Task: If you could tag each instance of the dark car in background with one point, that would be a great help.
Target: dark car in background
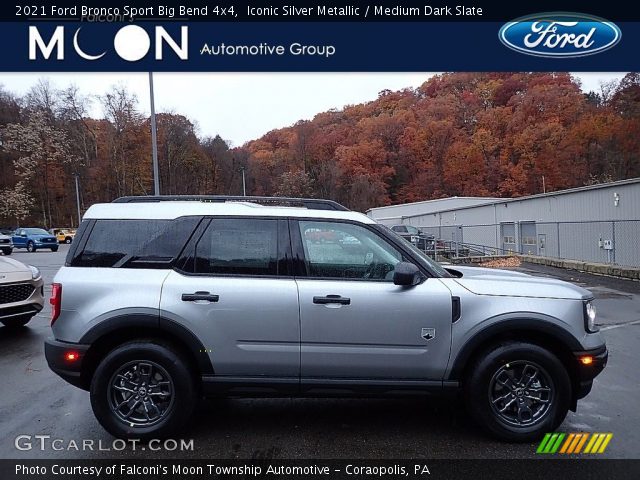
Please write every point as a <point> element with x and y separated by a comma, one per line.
<point>414,236</point>
<point>34,239</point>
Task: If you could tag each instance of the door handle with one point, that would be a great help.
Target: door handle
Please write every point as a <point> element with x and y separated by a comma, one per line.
<point>332,299</point>
<point>192,297</point>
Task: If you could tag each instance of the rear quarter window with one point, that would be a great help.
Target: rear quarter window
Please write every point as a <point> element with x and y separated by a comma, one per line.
<point>134,243</point>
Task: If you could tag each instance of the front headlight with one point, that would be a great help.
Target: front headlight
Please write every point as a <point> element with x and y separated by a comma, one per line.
<point>590,317</point>
<point>35,273</point>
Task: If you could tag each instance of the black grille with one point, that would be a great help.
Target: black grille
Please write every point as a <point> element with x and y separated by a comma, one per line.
<point>15,293</point>
<point>48,240</point>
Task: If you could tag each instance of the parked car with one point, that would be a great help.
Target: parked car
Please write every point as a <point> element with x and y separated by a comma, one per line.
<point>63,235</point>
<point>34,239</point>
<point>317,235</point>
<point>21,292</point>
<point>163,299</point>
<point>416,237</point>
<point>6,244</point>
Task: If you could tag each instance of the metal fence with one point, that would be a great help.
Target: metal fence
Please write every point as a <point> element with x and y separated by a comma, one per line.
<point>615,242</point>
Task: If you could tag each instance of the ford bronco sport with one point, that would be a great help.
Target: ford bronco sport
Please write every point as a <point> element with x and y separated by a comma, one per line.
<point>164,299</point>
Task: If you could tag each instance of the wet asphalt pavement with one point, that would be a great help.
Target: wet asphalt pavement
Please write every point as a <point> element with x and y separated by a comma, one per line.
<point>34,401</point>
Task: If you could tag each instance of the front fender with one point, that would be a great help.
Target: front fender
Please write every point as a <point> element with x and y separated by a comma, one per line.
<point>512,323</point>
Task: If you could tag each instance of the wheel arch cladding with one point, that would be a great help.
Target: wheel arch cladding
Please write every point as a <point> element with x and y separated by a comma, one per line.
<point>542,333</point>
<point>115,331</point>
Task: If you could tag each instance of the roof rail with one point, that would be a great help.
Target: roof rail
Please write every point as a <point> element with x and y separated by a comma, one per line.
<point>310,203</point>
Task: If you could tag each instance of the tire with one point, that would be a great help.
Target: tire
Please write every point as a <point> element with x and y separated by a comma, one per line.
<point>166,365</point>
<point>490,387</point>
<point>67,240</point>
<point>54,249</point>
<point>7,251</point>
<point>30,246</point>
<point>16,322</point>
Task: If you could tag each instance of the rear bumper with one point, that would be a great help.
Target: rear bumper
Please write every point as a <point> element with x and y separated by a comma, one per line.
<point>586,373</point>
<point>70,370</point>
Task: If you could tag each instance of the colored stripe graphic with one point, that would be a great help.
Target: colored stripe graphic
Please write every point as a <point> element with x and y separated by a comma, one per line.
<point>592,440</point>
<point>581,443</point>
<point>555,447</point>
<point>573,443</point>
<point>543,443</point>
<point>607,439</point>
<point>567,443</point>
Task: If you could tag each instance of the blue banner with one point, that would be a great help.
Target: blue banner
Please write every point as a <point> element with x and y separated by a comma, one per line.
<point>317,46</point>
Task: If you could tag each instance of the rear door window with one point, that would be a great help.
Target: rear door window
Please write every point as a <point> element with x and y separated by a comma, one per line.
<point>238,246</point>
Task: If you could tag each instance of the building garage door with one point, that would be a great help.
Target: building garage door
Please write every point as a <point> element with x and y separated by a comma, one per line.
<point>508,235</point>
<point>528,238</point>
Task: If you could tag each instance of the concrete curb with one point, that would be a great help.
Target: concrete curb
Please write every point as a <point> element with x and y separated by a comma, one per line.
<point>589,267</point>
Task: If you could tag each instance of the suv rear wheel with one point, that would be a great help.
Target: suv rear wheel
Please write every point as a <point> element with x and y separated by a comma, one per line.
<point>518,391</point>
<point>143,389</point>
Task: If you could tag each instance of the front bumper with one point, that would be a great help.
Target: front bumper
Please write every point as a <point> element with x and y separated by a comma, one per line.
<point>27,307</point>
<point>70,370</point>
<point>587,372</point>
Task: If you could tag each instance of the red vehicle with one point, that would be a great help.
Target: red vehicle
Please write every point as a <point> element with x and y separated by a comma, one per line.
<point>316,235</point>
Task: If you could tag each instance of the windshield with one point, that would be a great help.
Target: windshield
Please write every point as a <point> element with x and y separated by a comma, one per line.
<point>438,269</point>
<point>36,231</point>
<point>413,230</point>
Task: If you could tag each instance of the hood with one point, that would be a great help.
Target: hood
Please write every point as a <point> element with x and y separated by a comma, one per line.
<point>491,281</point>
<point>13,271</point>
<point>11,265</point>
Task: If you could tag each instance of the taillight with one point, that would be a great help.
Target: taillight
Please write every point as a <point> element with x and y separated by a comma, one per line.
<point>55,301</point>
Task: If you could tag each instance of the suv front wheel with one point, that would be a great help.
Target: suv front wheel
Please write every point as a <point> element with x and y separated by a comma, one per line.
<point>518,391</point>
<point>144,390</point>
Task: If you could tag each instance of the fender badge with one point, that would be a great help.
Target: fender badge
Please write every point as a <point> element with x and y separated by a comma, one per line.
<point>428,333</point>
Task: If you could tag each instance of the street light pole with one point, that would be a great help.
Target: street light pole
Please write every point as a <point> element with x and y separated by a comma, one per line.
<point>244,184</point>
<point>76,175</point>
<point>154,139</point>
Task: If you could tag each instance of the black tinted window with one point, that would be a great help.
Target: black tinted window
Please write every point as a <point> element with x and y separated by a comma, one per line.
<point>135,243</point>
<point>238,246</point>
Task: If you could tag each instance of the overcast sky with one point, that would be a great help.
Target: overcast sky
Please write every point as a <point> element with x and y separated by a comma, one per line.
<point>241,107</point>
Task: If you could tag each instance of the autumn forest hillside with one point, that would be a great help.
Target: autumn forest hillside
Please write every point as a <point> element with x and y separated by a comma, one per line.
<point>475,134</point>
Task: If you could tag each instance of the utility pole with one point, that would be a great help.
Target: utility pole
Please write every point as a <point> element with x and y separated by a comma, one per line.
<point>154,139</point>
<point>76,175</point>
<point>244,184</point>
<point>544,187</point>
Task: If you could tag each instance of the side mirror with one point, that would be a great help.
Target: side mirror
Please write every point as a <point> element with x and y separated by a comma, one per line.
<point>407,274</point>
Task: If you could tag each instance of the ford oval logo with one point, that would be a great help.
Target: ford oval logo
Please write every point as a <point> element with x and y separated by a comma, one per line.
<point>563,35</point>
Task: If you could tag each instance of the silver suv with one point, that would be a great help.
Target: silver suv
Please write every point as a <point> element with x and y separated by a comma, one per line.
<point>166,299</point>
